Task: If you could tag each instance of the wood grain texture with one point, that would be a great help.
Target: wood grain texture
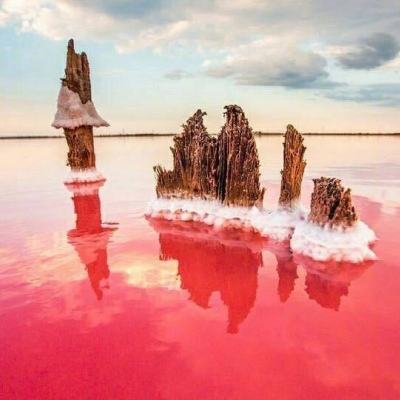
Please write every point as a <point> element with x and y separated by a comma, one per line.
<point>224,168</point>
<point>81,155</point>
<point>77,73</point>
<point>331,204</point>
<point>293,168</point>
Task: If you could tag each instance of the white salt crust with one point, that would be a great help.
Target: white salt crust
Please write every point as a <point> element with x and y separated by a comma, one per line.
<point>85,188</point>
<point>277,225</point>
<point>319,243</point>
<point>71,113</point>
<point>324,243</point>
<point>84,176</point>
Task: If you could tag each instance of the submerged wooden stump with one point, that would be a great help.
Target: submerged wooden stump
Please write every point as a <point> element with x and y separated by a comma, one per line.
<point>224,169</point>
<point>293,168</point>
<point>331,204</point>
<point>76,113</point>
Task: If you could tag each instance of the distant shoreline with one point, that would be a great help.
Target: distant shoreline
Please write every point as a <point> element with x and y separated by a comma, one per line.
<point>138,135</point>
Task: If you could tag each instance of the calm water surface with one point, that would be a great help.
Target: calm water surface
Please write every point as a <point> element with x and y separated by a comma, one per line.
<point>96,302</point>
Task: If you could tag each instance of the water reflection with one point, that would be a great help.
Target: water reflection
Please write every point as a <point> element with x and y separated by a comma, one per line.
<point>286,269</point>
<point>227,262</point>
<point>326,283</point>
<point>90,237</point>
<point>209,264</point>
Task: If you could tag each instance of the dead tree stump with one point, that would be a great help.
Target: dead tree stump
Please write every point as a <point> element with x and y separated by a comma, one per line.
<point>81,153</point>
<point>224,169</point>
<point>76,113</point>
<point>331,204</point>
<point>238,163</point>
<point>195,157</point>
<point>293,168</point>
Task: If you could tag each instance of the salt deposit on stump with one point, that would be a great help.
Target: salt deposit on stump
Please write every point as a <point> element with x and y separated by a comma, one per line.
<point>214,180</point>
<point>77,115</point>
<point>217,180</point>
<point>333,231</point>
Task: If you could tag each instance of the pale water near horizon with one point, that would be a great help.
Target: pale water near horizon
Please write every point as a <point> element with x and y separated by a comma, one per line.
<point>98,302</point>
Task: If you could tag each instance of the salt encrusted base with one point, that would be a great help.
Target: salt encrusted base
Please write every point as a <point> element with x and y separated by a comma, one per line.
<point>277,225</point>
<point>84,176</point>
<point>319,243</point>
<point>324,243</point>
<point>85,188</point>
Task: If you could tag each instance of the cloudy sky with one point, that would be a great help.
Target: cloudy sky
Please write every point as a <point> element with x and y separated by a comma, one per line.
<point>322,65</point>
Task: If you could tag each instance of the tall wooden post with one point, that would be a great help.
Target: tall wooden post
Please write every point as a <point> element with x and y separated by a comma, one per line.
<point>293,168</point>
<point>77,115</point>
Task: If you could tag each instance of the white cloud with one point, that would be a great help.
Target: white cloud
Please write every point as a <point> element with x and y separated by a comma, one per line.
<point>153,37</point>
<point>210,24</point>
<point>3,18</point>
<point>253,42</point>
<point>177,74</point>
<point>272,62</point>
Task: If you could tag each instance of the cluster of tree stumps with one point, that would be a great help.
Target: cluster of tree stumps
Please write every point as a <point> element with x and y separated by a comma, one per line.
<point>216,180</point>
<point>227,169</point>
<point>224,168</point>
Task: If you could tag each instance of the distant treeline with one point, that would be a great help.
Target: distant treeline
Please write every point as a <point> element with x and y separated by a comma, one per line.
<point>257,133</point>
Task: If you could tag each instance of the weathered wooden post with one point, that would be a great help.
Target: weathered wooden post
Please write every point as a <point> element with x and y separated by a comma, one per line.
<point>333,231</point>
<point>238,164</point>
<point>293,168</point>
<point>77,115</point>
<point>194,158</point>
<point>331,204</point>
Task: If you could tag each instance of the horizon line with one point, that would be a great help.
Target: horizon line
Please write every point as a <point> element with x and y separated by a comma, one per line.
<point>256,133</point>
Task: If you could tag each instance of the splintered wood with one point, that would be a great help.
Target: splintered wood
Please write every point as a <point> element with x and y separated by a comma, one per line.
<point>238,164</point>
<point>331,204</point>
<point>81,153</point>
<point>77,73</point>
<point>224,169</point>
<point>293,168</point>
<point>195,157</point>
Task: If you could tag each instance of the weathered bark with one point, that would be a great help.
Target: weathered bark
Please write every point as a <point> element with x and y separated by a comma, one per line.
<point>226,168</point>
<point>238,164</point>
<point>81,154</point>
<point>331,204</point>
<point>293,168</point>
<point>77,73</point>
<point>195,156</point>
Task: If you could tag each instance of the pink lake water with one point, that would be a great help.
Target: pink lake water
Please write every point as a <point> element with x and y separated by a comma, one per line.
<point>96,302</point>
